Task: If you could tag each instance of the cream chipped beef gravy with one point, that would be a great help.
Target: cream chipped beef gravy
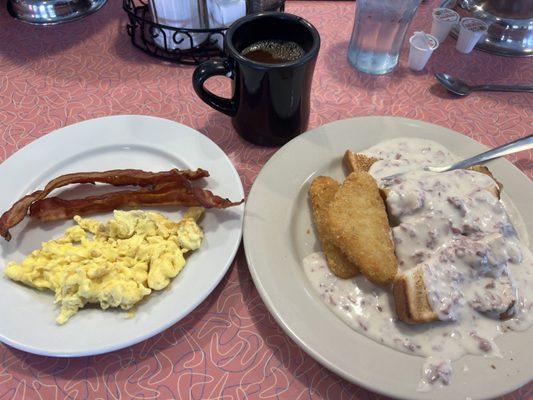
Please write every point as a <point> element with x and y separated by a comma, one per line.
<point>473,261</point>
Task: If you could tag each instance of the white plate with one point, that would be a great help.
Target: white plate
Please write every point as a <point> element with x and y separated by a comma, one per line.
<point>27,317</point>
<point>279,233</point>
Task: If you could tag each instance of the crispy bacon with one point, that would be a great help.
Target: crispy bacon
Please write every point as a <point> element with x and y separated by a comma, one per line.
<point>54,208</point>
<point>118,177</point>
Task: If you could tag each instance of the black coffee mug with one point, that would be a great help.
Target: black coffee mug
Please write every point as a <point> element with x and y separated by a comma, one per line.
<point>270,102</point>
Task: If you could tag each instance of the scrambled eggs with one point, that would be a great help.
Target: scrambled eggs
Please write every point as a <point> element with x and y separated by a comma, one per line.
<point>114,264</point>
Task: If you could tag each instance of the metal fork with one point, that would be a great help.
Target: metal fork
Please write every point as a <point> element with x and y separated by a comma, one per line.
<point>521,144</point>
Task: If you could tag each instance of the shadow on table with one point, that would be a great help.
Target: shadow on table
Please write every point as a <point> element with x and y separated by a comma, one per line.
<point>524,164</point>
<point>62,370</point>
<point>511,99</point>
<point>496,69</point>
<point>130,54</point>
<point>480,68</point>
<point>335,60</point>
<point>23,43</point>
<point>218,127</point>
<point>475,68</point>
<point>83,51</point>
<point>440,91</point>
<point>319,381</point>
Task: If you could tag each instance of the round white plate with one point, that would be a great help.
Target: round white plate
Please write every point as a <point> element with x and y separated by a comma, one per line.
<point>27,316</point>
<point>279,233</point>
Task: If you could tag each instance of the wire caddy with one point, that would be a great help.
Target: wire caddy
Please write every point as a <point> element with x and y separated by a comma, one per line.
<point>172,43</point>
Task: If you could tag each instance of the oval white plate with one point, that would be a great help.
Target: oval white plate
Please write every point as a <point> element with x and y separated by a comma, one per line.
<point>279,233</point>
<point>27,316</point>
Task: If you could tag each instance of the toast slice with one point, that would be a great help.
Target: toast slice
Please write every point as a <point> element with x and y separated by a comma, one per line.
<point>410,298</point>
<point>359,226</point>
<point>496,191</point>
<point>359,162</point>
<point>494,297</point>
<point>322,191</point>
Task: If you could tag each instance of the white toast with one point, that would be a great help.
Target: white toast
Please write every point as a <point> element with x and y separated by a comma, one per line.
<point>410,297</point>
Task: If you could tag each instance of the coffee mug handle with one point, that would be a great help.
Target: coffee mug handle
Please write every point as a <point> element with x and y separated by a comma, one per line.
<point>205,71</point>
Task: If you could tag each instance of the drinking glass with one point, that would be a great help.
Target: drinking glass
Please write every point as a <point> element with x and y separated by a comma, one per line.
<point>378,34</point>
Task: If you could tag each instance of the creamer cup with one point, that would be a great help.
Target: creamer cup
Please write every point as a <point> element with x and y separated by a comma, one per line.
<point>444,20</point>
<point>421,46</point>
<point>470,31</point>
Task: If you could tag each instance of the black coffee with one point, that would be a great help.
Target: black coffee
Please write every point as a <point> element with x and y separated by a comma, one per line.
<point>273,51</point>
<point>271,101</point>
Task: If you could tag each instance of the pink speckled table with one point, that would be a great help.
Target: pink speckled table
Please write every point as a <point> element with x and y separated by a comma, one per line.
<point>229,347</point>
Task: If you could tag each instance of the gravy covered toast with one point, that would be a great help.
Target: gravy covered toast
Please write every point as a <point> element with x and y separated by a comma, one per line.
<point>409,290</point>
<point>360,162</point>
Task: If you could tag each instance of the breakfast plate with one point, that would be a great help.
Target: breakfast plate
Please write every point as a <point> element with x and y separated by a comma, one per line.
<point>27,316</point>
<point>279,233</point>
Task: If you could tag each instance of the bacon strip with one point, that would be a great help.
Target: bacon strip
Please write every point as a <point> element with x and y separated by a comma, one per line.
<point>54,208</point>
<point>118,177</point>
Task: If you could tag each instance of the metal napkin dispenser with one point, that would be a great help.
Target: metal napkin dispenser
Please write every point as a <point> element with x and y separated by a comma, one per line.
<point>51,12</point>
<point>510,24</point>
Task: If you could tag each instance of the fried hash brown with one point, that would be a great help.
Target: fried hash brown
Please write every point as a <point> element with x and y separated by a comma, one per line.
<point>322,191</point>
<point>359,226</point>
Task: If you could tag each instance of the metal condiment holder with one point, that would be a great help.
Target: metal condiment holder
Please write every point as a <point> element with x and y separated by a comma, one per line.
<point>510,36</point>
<point>144,32</point>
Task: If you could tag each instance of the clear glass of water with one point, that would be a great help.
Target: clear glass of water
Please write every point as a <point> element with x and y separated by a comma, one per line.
<point>378,34</point>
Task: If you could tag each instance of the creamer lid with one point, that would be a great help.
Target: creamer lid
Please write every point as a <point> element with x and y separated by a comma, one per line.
<point>424,41</point>
<point>445,14</point>
<point>474,25</point>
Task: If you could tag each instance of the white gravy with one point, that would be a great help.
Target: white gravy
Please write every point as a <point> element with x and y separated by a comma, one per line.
<point>475,267</point>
